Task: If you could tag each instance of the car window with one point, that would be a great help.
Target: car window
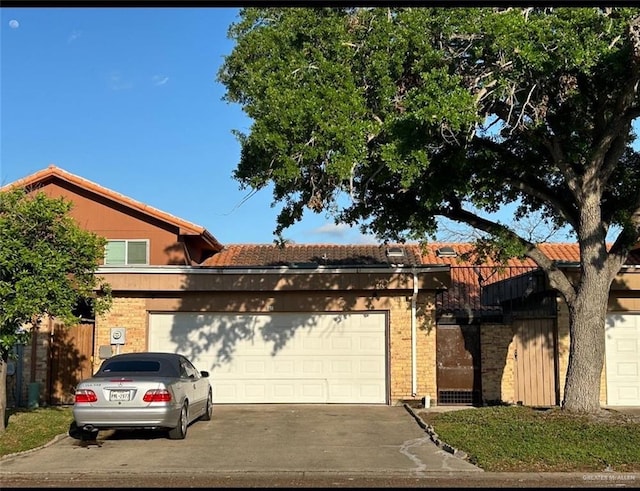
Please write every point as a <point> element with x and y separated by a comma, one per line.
<point>183,371</point>
<point>131,366</point>
<point>189,369</point>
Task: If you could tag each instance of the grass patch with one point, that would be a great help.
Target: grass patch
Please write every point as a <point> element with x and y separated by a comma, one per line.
<point>31,428</point>
<point>524,439</point>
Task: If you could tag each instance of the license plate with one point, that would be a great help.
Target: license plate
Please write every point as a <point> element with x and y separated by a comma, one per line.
<point>119,395</point>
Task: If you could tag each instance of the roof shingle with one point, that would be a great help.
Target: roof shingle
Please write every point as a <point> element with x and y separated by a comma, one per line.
<point>317,254</point>
<point>249,255</point>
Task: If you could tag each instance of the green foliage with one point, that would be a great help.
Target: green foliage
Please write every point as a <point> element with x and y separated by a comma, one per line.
<point>416,112</point>
<point>47,265</point>
<point>421,113</point>
<point>523,439</point>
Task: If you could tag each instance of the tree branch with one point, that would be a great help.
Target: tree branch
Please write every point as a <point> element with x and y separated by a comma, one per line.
<point>556,277</point>
<point>532,187</point>
<point>624,106</point>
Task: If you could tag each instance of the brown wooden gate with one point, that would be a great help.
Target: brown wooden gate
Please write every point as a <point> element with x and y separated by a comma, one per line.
<point>458,360</point>
<point>71,352</point>
<point>535,362</point>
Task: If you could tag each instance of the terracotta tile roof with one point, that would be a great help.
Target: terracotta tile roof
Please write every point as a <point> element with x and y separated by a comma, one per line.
<point>53,172</point>
<point>252,255</point>
<point>319,254</point>
<point>557,251</point>
<point>467,282</point>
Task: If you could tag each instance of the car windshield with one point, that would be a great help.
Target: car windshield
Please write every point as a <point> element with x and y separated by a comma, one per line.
<point>132,366</point>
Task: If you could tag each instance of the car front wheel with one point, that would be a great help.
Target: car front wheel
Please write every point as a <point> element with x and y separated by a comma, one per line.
<point>180,431</point>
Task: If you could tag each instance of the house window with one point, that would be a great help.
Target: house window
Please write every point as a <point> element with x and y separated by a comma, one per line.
<point>126,252</point>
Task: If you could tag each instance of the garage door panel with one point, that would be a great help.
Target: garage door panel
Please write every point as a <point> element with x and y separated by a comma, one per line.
<point>347,391</point>
<point>340,367</point>
<point>627,370</point>
<point>288,358</point>
<point>311,367</point>
<point>311,345</point>
<point>283,390</point>
<point>341,344</point>
<point>226,391</point>
<point>313,389</point>
<point>255,368</point>
<point>370,367</point>
<point>255,390</point>
<point>369,390</point>
<point>629,393</point>
<point>627,345</point>
<point>283,366</point>
<point>369,344</point>
<point>622,346</point>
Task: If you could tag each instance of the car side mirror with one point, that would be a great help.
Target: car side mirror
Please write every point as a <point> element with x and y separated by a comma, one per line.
<point>204,373</point>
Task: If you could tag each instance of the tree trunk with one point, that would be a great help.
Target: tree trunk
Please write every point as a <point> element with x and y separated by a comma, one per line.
<point>586,347</point>
<point>3,393</point>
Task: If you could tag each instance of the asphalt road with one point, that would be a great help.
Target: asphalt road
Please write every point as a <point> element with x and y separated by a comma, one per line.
<point>275,446</point>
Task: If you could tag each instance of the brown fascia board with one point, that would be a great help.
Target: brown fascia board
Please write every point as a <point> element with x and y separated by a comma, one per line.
<point>53,172</point>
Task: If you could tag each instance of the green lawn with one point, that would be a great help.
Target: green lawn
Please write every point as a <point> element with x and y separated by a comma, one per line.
<point>496,438</point>
<point>522,439</point>
<point>31,428</point>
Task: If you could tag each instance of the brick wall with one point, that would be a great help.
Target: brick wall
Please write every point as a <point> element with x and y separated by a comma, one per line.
<point>129,313</point>
<point>497,363</point>
<point>400,350</point>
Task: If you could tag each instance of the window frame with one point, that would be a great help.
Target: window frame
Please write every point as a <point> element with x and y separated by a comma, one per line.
<point>126,262</point>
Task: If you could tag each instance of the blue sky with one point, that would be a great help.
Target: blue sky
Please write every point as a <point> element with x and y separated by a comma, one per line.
<point>128,98</point>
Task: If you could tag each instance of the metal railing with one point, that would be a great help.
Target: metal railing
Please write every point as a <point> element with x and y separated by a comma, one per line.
<point>490,293</point>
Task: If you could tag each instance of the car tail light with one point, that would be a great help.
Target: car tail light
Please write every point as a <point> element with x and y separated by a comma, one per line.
<point>85,395</point>
<point>157,395</point>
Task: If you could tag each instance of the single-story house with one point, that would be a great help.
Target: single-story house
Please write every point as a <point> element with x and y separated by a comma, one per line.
<point>321,323</point>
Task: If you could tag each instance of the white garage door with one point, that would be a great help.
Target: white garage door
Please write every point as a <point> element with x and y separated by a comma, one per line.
<point>282,358</point>
<point>623,359</point>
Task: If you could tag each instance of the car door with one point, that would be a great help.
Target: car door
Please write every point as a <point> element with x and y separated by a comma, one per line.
<point>194,387</point>
<point>202,386</point>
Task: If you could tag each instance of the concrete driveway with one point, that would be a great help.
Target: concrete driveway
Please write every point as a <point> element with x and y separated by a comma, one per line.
<point>355,439</point>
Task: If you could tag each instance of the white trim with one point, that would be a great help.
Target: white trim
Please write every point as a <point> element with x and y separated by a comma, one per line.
<point>263,271</point>
<point>414,336</point>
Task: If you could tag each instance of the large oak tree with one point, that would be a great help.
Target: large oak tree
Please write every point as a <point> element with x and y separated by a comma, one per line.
<point>414,114</point>
<point>47,266</point>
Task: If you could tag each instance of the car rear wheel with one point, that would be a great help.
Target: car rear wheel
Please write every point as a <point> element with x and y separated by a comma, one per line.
<point>208,409</point>
<point>180,431</point>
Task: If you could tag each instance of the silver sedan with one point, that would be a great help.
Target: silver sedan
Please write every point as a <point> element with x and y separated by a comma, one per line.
<point>158,391</point>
